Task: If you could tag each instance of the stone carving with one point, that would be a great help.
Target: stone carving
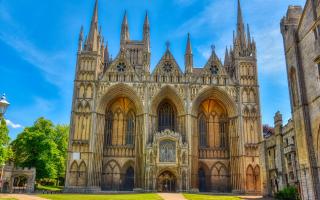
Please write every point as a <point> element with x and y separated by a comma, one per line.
<point>167,150</point>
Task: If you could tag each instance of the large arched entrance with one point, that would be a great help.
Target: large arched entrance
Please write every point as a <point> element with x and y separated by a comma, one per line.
<point>213,114</point>
<point>166,182</point>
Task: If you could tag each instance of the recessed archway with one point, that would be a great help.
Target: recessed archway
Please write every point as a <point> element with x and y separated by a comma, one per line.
<point>166,182</point>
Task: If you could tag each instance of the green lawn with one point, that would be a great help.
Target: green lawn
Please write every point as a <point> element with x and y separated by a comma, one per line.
<point>50,188</point>
<point>208,197</point>
<point>101,197</point>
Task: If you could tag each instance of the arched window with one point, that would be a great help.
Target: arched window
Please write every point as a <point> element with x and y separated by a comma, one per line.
<point>130,130</point>
<point>203,131</point>
<point>166,117</point>
<point>223,131</point>
<point>108,128</point>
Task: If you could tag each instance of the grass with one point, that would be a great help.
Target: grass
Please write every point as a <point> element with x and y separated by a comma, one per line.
<point>101,197</point>
<point>209,197</point>
<point>49,188</point>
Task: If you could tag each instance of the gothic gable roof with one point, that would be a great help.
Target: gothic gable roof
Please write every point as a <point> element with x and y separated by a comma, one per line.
<point>167,65</point>
<point>120,64</point>
<point>213,66</point>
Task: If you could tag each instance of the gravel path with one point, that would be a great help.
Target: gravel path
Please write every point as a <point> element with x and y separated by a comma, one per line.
<point>21,196</point>
<point>172,196</point>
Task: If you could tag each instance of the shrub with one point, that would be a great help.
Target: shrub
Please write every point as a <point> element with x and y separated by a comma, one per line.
<point>289,193</point>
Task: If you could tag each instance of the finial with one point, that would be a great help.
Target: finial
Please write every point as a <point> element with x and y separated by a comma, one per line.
<point>168,45</point>
<point>213,48</point>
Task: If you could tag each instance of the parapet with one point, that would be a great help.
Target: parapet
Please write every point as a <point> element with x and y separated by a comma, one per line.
<point>293,15</point>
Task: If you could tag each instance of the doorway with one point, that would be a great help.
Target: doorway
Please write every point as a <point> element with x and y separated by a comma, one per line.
<point>166,182</point>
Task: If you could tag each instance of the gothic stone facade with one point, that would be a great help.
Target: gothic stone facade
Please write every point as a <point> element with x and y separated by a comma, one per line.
<point>16,180</point>
<point>166,130</point>
<point>281,161</point>
<point>301,30</point>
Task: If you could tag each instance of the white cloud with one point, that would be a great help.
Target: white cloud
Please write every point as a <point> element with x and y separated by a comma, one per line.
<point>13,125</point>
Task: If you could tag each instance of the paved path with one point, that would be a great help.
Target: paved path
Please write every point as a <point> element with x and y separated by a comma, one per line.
<point>172,196</point>
<point>21,196</point>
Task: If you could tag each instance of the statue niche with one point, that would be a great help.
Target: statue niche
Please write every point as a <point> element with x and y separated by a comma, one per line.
<point>167,149</point>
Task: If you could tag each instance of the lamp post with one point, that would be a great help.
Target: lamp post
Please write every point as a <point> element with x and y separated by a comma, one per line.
<point>3,105</point>
<point>3,108</point>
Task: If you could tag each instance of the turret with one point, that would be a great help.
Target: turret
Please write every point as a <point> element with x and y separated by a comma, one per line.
<point>146,41</point>
<point>80,42</point>
<point>226,58</point>
<point>188,57</point>
<point>125,36</point>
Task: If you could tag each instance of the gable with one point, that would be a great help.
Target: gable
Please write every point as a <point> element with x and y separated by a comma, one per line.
<point>120,64</point>
<point>213,67</point>
<point>167,66</point>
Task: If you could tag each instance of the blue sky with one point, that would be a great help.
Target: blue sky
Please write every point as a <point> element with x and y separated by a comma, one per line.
<point>38,43</point>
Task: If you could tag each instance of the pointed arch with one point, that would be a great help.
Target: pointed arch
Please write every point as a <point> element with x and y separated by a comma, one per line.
<point>169,93</point>
<point>217,94</point>
<point>203,131</point>
<point>166,116</point>
<point>245,95</point>
<point>250,184</point>
<point>89,91</point>
<point>257,179</point>
<point>81,91</point>
<point>130,128</point>
<point>129,179</point>
<point>82,179</point>
<point>219,177</point>
<point>252,95</point>
<point>203,177</point>
<point>111,176</point>
<point>73,173</point>
<point>118,91</point>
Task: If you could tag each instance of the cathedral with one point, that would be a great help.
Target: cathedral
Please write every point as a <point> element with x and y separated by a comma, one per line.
<point>170,129</point>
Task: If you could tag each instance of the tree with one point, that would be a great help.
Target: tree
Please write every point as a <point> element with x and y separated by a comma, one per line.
<point>5,150</point>
<point>61,139</point>
<point>42,146</point>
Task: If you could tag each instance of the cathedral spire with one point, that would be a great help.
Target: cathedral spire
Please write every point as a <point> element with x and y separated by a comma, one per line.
<point>81,37</point>
<point>146,33</point>
<point>226,57</point>
<point>92,40</point>
<point>240,26</point>
<point>189,56</point>
<point>189,49</point>
<point>124,30</point>
<point>106,55</point>
<point>248,35</point>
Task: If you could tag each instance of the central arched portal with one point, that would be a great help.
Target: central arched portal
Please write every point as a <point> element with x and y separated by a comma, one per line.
<point>166,182</point>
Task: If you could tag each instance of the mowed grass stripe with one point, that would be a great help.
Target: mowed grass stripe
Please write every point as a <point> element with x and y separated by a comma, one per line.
<point>101,197</point>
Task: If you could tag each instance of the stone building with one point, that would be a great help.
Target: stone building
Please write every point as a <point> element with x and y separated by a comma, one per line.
<point>301,31</point>
<point>166,129</point>
<point>17,179</point>
<point>281,162</point>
